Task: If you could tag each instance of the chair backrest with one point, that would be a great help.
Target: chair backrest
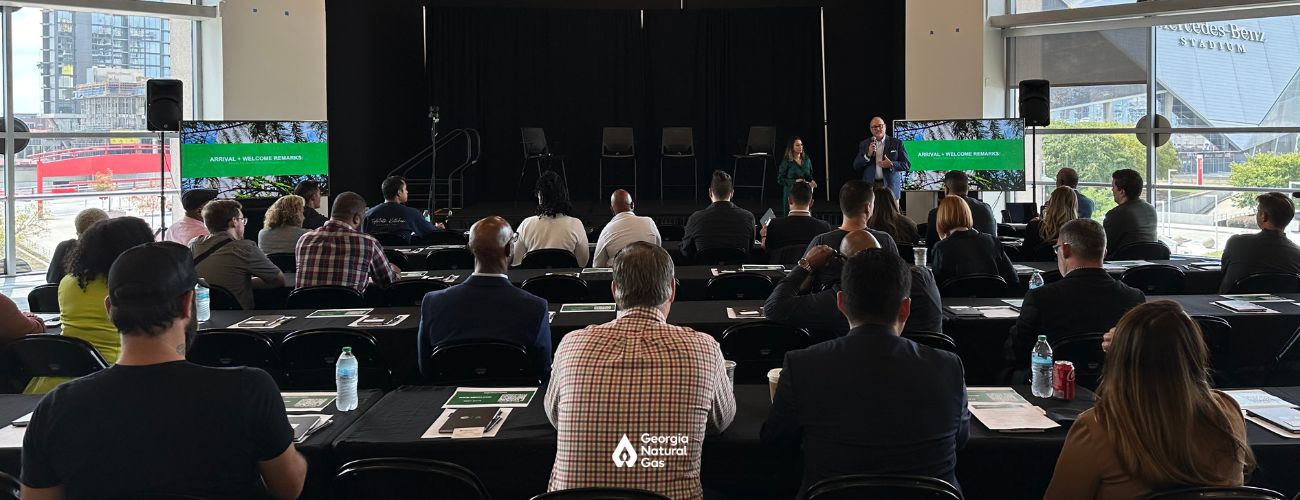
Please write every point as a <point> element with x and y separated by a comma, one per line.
<point>1142,250</point>
<point>557,288</point>
<point>1283,354</point>
<point>481,363</point>
<point>1217,334</point>
<point>440,238</point>
<point>10,488</point>
<point>48,355</point>
<point>974,285</point>
<point>397,258</point>
<point>549,258</point>
<point>1039,253</point>
<point>761,140</point>
<point>721,257</point>
<point>406,478</point>
<point>672,232</point>
<point>220,299</point>
<point>309,357</point>
<point>678,141</point>
<point>410,292</point>
<point>285,261</point>
<point>324,297</point>
<point>390,239</point>
<point>1155,279</point>
<point>617,140</point>
<point>534,140</point>
<point>1268,283</point>
<point>227,347</point>
<point>932,339</point>
<point>790,254</point>
<point>1084,350</point>
<point>449,258</point>
<point>1005,229</point>
<point>600,494</point>
<point>1217,493</point>
<point>882,487</point>
<point>739,286</point>
<point>44,298</point>
<point>759,346</point>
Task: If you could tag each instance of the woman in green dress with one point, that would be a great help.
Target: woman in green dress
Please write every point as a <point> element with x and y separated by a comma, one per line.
<point>794,168</point>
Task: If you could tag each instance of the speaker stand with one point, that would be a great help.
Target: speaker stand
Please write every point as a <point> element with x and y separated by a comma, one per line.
<point>162,184</point>
<point>1033,164</point>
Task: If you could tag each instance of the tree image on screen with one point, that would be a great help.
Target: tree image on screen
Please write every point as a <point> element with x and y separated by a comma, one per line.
<point>253,159</point>
<point>990,151</point>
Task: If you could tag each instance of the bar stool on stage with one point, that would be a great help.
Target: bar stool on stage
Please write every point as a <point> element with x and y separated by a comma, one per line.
<point>679,144</point>
<point>538,150</point>
<point>616,143</point>
<point>761,146</point>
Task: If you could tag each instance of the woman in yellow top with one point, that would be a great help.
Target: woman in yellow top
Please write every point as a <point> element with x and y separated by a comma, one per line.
<point>83,290</point>
<point>1157,425</point>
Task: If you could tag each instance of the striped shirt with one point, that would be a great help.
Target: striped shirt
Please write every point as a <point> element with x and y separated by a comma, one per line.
<point>336,254</point>
<point>657,386</point>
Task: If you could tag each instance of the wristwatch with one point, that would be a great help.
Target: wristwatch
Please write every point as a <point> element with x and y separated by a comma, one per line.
<point>803,263</point>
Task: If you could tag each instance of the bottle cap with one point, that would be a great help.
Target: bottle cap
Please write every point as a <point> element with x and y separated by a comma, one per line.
<point>349,349</point>
<point>1040,337</point>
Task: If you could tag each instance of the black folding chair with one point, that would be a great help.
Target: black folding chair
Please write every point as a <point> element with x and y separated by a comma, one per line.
<point>557,288</point>
<point>1267,283</point>
<point>1142,250</point>
<point>1155,279</point>
<point>309,357</point>
<point>44,299</point>
<point>406,479</point>
<point>481,363</point>
<point>549,258</point>
<point>1217,334</point>
<point>397,258</point>
<point>10,488</point>
<point>882,487</point>
<point>974,285</point>
<point>600,494</point>
<point>679,144</point>
<point>285,261</point>
<point>672,232</point>
<point>49,355</point>
<point>1084,350</point>
<point>721,257</point>
<point>410,293</point>
<point>759,346</point>
<point>1039,253</point>
<point>739,286</point>
<point>789,255</point>
<point>324,297</point>
<point>616,143</point>
<point>227,347</point>
<point>440,238</point>
<point>932,339</point>
<point>1051,276</point>
<point>449,258</point>
<point>1217,493</point>
<point>220,299</point>
<point>761,146</point>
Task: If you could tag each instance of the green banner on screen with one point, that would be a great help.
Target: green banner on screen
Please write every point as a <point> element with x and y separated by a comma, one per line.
<point>254,160</point>
<point>981,154</point>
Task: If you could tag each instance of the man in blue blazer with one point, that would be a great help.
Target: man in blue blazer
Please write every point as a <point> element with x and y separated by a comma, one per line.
<point>871,402</point>
<point>487,306</point>
<point>883,158</point>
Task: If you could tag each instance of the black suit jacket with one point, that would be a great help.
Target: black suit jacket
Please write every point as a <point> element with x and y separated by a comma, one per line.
<point>981,214</point>
<point>970,252</point>
<point>1087,300</point>
<point>830,273</point>
<point>720,225</point>
<point>818,313</point>
<point>1262,252</point>
<point>871,402</point>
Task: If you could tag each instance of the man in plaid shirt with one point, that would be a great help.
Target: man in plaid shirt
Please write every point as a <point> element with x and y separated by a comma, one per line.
<point>338,254</point>
<point>632,399</point>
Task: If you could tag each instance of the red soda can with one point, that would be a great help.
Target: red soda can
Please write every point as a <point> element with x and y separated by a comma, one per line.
<point>1063,380</point>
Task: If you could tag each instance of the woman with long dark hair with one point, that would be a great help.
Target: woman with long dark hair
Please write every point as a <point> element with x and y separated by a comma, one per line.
<point>794,167</point>
<point>886,217</point>
<point>552,227</point>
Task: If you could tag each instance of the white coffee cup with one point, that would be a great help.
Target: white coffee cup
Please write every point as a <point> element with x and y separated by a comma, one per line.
<point>918,256</point>
<point>773,377</point>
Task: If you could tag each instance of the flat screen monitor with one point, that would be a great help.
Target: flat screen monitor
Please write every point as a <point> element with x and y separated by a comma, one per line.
<point>990,151</point>
<point>253,159</point>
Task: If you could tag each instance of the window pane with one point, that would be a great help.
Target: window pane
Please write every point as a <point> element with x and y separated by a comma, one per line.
<point>1022,6</point>
<point>1098,77</point>
<point>1200,222</point>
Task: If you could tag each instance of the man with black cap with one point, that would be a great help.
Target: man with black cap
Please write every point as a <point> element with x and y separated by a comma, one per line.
<point>191,225</point>
<point>155,423</point>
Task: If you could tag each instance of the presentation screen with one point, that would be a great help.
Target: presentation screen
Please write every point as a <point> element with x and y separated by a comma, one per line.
<point>991,151</point>
<point>253,159</point>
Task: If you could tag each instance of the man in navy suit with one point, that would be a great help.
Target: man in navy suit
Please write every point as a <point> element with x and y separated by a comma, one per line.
<point>882,158</point>
<point>871,402</point>
<point>487,306</point>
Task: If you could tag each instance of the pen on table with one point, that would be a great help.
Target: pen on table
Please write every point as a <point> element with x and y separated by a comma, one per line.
<point>492,423</point>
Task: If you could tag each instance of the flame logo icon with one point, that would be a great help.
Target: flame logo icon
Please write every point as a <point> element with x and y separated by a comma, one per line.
<point>624,454</point>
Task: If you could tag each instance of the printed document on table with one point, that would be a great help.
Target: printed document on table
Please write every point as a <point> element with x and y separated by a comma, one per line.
<point>476,397</point>
<point>1249,399</point>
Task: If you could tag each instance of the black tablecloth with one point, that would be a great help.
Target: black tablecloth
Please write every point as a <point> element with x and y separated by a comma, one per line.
<point>13,406</point>
<point>1198,281</point>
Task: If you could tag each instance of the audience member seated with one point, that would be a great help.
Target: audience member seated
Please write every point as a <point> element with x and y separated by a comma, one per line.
<point>155,423</point>
<point>15,323</point>
<point>225,259</point>
<point>610,381</point>
<point>857,200</point>
<point>795,168</point>
<point>58,263</point>
<point>886,217</point>
<point>1042,231</point>
<point>798,227</point>
<point>472,310</point>
<point>907,413</point>
<point>1133,220</point>
<point>957,183</point>
<point>817,311</point>
<point>722,224</point>
<point>963,250</point>
<point>1085,300</point>
<point>82,291</point>
<point>1269,250</point>
<point>552,227</point>
<point>1069,178</point>
<point>191,225</point>
<point>283,225</point>
<point>311,195</point>
<point>624,229</point>
<point>338,254</point>
<point>393,216</point>
<point>1156,424</point>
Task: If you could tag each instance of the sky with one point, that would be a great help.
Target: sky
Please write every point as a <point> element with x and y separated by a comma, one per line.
<point>27,57</point>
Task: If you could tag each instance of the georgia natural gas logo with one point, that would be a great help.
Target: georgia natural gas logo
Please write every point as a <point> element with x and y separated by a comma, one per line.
<point>654,449</point>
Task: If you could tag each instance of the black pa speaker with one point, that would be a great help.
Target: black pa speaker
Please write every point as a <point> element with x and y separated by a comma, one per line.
<point>163,105</point>
<point>1036,102</point>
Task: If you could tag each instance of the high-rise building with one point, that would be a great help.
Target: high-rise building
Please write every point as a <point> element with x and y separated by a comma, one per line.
<point>74,43</point>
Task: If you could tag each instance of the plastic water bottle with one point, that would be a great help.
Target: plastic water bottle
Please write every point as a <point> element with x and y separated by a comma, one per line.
<point>1036,280</point>
<point>345,380</point>
<point>202,302</point>
<point>1041,366</point>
